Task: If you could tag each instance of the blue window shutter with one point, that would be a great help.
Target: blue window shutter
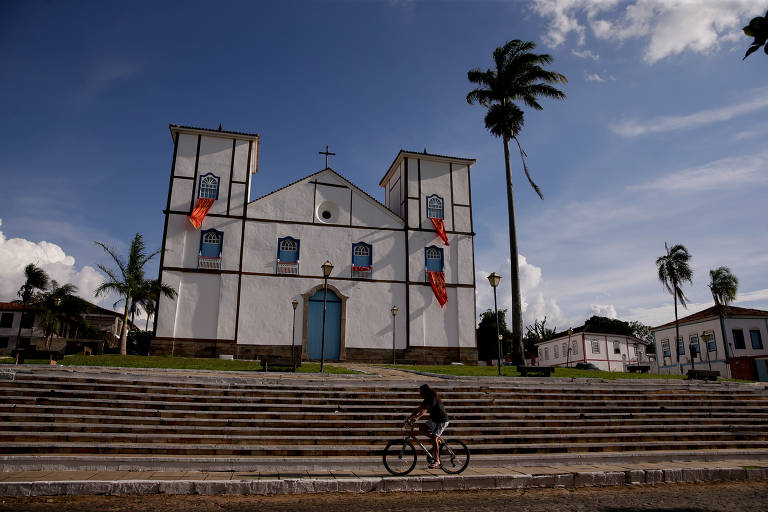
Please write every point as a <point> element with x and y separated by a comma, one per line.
<point>208,186</point>
<point>362,254</point>
<point>288,251</point>
<point>433,264</point>
<point>211,241</point>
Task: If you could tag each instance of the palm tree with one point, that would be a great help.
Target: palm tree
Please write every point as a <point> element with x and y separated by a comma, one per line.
<point>148,295</point>
<point>757,28</point>
<point>673,272</point>
<point>127,280</point>
<point>36,279</point>
<point>58,302</point>
<point>518,75</point>
<point>723,285</point>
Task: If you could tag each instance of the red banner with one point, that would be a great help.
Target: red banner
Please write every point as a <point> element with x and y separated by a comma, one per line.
<point>437,280</point>
<point>440,228</point>
<point>201,210</point>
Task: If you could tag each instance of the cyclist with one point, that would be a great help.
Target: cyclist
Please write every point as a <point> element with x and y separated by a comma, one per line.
<point>435,425</point>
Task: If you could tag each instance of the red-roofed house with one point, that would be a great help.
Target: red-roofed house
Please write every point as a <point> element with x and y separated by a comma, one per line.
<point>743,355</point>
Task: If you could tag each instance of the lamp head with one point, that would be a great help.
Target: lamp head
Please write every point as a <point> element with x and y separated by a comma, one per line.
<point>570,331</point>
<point>394,310</point>
<point>295,303</point>
<point>327,268</point>
<point>494,279</point>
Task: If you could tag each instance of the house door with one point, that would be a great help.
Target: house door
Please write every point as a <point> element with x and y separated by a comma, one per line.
<point>332,326</point>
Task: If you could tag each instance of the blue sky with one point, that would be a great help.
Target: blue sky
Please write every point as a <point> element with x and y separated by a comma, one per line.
<point>661,138</point>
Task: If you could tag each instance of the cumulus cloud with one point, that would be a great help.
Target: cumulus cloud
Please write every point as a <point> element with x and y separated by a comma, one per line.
<point>669,27</point>
<point>594,77</point>
<point>17,253</point>
<point>726,173</point>
<point>585,54</point>
<point>606,310</point>
<point>636,128</point>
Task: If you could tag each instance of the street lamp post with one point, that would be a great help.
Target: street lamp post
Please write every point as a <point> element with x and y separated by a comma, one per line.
<point>568,355</point>
<point>494,279</point>
<point>327,268</point>
<point>705,340</point>
<point>295,304</point>
<point>394,313</point>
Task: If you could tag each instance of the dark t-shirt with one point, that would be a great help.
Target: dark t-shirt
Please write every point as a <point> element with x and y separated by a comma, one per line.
<point>436,410</point>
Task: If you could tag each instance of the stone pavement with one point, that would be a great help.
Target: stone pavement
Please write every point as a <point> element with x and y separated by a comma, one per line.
<point>546,475</point>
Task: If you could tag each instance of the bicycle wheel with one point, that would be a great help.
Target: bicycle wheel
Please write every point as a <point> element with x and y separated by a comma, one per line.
<point>399,457</point>
<point>454,456</point>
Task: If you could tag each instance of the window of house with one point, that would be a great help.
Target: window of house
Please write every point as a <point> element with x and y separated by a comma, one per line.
<point>546,354</point>
<point>616,347</point>
<point>210,249</point>
<point>757,341</point>
<point>665,348</point>
<point>6,320</point>
<point>694,341</point>
<point>738,339</point>
<point>565,349</point>
<point>575,348</point>
<point>556,353</point>
<point>539,353</point>
<point>680,346</point>
<point>288,249</point>
<point>434,207</point>
<point>362,259</point>
<point>4,341</point>
<point>434,259</point>
<point>595,347</point>
<point>711,341</point>
<point>209,186</point>
<point>27,320</point>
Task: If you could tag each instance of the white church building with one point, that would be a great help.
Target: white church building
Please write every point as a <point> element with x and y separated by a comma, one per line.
<point>238,264</point>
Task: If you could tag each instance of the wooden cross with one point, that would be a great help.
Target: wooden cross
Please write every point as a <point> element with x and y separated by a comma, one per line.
<point>326,153</point>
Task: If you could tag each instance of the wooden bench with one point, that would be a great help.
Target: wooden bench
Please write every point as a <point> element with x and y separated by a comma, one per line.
<point>703,374</point>
<point>279,361</point>
<point>29,353</point>
<point>640,368</point>
<point>544,371</point>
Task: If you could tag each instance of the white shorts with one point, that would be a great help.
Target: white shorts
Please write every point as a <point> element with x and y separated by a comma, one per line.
<point>436,428</point>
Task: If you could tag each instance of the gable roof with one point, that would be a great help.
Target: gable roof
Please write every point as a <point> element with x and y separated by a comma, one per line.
<point>712,312</point>
<point>209,131</point>
<point>342,178</point>
<point>426,156</point>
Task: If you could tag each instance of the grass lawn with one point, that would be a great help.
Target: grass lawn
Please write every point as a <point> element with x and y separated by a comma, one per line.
<point>510,371</point>
<point>182,363</point>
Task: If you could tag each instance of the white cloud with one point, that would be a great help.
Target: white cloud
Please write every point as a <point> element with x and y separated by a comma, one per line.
<point>594,77</point>
<point>17,253</point>
<point>635,128</point>
<point>585,54</point>
<point>726,173</point>
<point>606,310</point>
<point>752,296</point>
<point>670,27</point>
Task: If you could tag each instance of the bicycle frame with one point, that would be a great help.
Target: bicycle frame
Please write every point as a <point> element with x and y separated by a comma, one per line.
<point>409,435</point>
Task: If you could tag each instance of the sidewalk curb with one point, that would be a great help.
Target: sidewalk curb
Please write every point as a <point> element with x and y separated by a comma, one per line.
<point>293,486</point>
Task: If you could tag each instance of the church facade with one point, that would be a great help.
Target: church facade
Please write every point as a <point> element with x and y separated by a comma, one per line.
<point>238,265</point>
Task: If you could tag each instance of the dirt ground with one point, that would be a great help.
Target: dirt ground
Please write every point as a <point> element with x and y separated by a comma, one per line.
<point>716,497</point>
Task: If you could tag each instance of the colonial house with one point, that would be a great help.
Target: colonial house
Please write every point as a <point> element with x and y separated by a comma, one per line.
<point>733,343</point>
<point>249,276</point>
<point>107,322</point>
<point>609,352</point>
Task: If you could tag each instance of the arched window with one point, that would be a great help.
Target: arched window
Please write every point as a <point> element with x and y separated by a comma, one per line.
<point>209,186</point>
<point>288,255</point>
<point>434,259</point>
<point>434,207</point>
<point>361,255</point>
<point>210,249</point>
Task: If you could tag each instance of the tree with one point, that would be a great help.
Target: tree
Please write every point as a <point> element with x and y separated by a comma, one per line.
<point>57,303</point>
<point>127,280</point>
<point>723,285</point>
<point>148,295</point>
<point>757,28</point>
<point>641,331</point>
<point>487,344</point>
<point>673,271</point>
<point>518,75</point>
<point>537,333</point>
<point>36,279</point>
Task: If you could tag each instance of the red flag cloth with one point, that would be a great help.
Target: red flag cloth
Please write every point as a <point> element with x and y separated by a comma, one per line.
<point>361,269</point>
<point>437,280</point>
<point>440,228</point>
<point>201,210</point>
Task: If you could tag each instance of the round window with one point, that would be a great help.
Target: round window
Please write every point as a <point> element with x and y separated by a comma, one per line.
<point>327,212</point>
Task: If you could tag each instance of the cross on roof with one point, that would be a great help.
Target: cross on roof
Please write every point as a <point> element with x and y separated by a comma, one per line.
<point>326,153</point>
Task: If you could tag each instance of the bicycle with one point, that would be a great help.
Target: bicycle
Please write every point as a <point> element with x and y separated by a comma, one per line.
<point>400,454</point>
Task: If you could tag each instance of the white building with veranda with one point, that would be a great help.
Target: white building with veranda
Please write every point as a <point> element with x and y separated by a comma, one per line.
<point>237,274</point>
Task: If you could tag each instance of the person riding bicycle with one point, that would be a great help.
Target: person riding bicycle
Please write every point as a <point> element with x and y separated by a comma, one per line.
<point>435,425</point>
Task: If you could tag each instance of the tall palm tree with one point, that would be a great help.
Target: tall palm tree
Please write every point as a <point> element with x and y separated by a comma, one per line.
<point>35,279</point>
<point>57,303</point>
<point>673,272</point>
<point>723,285</point>
<point>127,280</point>
<point>517,75</point>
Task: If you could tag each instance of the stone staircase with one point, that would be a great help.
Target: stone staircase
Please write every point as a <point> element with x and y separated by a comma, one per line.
<point>49,412</point>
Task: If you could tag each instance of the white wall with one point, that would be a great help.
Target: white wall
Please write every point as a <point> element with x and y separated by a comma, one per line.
<point>581,351</point>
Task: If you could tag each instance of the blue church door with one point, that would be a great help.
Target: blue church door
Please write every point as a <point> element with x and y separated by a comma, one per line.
<point>332,326</point>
